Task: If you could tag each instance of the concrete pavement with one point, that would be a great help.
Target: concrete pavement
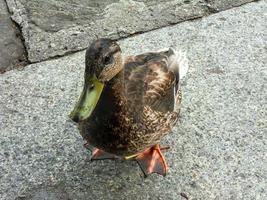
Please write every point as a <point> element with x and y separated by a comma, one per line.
<point>218,149</point>
<point>56,27</point>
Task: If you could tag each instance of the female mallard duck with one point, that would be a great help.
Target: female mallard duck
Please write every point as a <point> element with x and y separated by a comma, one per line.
<point>127,106</point>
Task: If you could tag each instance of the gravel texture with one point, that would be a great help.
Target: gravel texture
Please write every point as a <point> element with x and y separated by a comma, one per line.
<point>218,149</point>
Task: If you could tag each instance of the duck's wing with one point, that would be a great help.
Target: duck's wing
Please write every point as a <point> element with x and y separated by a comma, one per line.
<point>152,79</point>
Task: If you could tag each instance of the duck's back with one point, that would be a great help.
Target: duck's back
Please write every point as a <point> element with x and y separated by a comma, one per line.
<point>152,80</point>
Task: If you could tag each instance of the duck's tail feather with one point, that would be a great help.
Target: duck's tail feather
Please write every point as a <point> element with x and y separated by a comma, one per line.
<point>178,63</point>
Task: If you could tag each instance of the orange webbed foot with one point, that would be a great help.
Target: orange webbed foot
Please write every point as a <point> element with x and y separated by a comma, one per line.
<point>152,161</point>
<point>98,154</point>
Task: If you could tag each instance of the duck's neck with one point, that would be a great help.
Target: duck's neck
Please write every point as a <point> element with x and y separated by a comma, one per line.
<point>110,101</point>
<point>116,86</point>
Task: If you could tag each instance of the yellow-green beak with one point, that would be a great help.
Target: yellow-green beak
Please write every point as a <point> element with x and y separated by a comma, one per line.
<point>87,102</point>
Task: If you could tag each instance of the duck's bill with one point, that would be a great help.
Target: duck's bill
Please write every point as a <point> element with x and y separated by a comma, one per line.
<point>88,100</point>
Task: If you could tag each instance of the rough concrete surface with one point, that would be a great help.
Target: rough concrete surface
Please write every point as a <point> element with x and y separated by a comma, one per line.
<point>55,27</point>
<point>12,52</point>
<point>218,150</point>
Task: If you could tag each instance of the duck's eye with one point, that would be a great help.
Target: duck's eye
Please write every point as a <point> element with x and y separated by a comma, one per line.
<point>107,60</point>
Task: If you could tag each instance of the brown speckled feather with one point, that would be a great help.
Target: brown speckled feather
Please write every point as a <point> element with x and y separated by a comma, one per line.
<point>149,82</point>
<point>150,98</point>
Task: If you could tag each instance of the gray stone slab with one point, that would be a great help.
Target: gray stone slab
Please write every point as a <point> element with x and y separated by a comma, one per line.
<point>12,51</point>
<point>218,150</point>
<point>56,27</point>
<point>217,5</point>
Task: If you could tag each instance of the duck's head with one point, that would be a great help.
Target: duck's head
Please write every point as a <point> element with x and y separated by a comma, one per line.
<point>103,61</point>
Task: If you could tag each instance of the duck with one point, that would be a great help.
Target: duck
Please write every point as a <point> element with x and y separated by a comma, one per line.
<point>129,103</point>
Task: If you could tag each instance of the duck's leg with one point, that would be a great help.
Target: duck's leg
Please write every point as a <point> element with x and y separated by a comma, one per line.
<point>152,160</point>
<point>98,154</point>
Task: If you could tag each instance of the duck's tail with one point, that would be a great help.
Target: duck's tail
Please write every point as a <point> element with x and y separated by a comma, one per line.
<point>178,62</point>
<point>179,65</point>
